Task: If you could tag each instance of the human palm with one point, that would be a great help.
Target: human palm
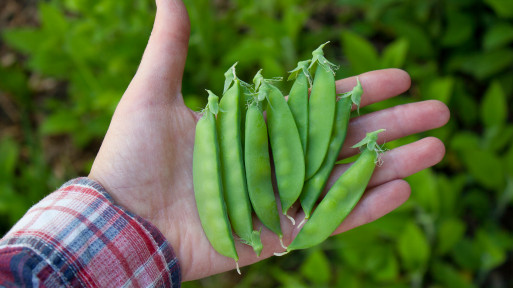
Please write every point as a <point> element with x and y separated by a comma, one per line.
<point>145,161</point>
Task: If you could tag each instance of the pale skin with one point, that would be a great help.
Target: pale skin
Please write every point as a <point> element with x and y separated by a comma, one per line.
<point>145,161</point>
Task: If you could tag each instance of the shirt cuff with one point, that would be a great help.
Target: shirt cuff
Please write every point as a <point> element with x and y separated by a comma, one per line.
<point>77,236</point>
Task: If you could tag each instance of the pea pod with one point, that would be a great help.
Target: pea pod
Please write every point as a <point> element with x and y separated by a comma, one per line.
<point>298,100</point>
<point>341,198</point>
<point>321,111</point>
<point>232,165</point>
<point>207,181</point>
<point>258,170</point>
<point>285,144</point>
<point>315,185</point>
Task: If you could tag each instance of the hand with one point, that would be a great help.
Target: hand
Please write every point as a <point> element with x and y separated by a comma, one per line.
<point>145,161</point>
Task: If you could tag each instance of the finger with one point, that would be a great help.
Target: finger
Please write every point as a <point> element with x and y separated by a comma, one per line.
<point>398,121</point>
<point>377,85</point>
<point>401,162</point>
<point>163,61</point>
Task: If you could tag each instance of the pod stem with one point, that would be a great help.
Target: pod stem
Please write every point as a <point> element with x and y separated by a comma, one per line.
<point>355,94</point>
<point>230,77</point>
<point>319,59</point>
<point>291,219</point>
<point>302,222</point>
<point>370,142</point>
<point>281,254</point>
<point>237,267</point>
<point>302,67</point>
<point>281,243</point>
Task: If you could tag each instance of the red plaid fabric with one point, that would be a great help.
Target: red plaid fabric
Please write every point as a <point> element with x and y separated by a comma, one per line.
<point>77,237</point>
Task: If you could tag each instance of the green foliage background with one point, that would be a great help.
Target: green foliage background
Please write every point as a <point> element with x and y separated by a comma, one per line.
<point>457,228</point>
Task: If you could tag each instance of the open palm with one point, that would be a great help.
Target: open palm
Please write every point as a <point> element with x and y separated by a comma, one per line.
<point>145,161</point>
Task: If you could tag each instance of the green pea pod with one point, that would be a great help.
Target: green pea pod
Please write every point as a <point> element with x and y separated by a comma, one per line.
<point>258,170</point>
<point>232,165</point>
<point>321,112</point>
<point>286,147</point>
<point>341,198</point>
<point>208,188</point>
<point>315,185</point>
<point>298,100</point>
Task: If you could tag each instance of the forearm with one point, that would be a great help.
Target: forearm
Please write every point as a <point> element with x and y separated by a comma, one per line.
<point>76,236</point>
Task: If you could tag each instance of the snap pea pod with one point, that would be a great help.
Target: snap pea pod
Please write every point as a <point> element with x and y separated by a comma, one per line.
<point>321,112</point>
<point>315,185</point>
<point>258,170</point>
<point>341,198</point>
<point>232,165</point>
<point>207,181</point>
<point>285,144</point>
<point>298,100</point>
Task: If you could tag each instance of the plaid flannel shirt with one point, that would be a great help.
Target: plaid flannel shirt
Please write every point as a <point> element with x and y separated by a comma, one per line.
<point>77,237</point>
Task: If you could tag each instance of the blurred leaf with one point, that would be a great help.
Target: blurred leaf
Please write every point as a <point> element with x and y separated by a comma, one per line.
<point>484,64</point>
<point>424,183</point>
<point>9,152</point>
<point>467,254</point>
<point>395,54</point>
<point>287,279</point>
<point>493,253</point>
<point>503,8</point>
<point>449,276</point>
<point>496,138</point>
<point>438,89</point>
<point>316,268</point>
<point>498,36</point>
<point>413,248</point>
<point>494,106</point>
<point>450,232</point>
<point>419,42</point>
<point>464,106</point>
<point>460,29</point>
<point>52,18</point>
<point>25,40</point>
<point>485,167</point>
<point>361,53</point>
<point>389,270</point>
<point>14,81</point>
<point>59,122</point>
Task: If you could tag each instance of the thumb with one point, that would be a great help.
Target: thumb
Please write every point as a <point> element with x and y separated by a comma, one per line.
<point>163,61</point>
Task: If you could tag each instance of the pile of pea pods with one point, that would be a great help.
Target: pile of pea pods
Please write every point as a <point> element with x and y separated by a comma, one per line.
<point>232,164</point>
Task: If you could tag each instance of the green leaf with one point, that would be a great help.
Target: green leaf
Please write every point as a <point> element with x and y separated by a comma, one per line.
<point>395,54</point>
<point>413,248</point>
<point>424,183</point>
<point>449,276</point>
<point>59,122</point>
<point>498,36</point>
<point>493,254</point>
<point>287,279</point>
<point>450,232</point>
<point>503,8</point>
<point>419,41</point>
<point>494,106</point>
<point>485,167</point>
<point>9,152</point>
<point>460,29</point>
<point>361,53</point>
<point>467,254</point>
<point>316,268</point>
<point>439,89</point>
<point>496,138</point>
<point>483,65</point>
<point>52,18</point>
<point>26,40</point>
